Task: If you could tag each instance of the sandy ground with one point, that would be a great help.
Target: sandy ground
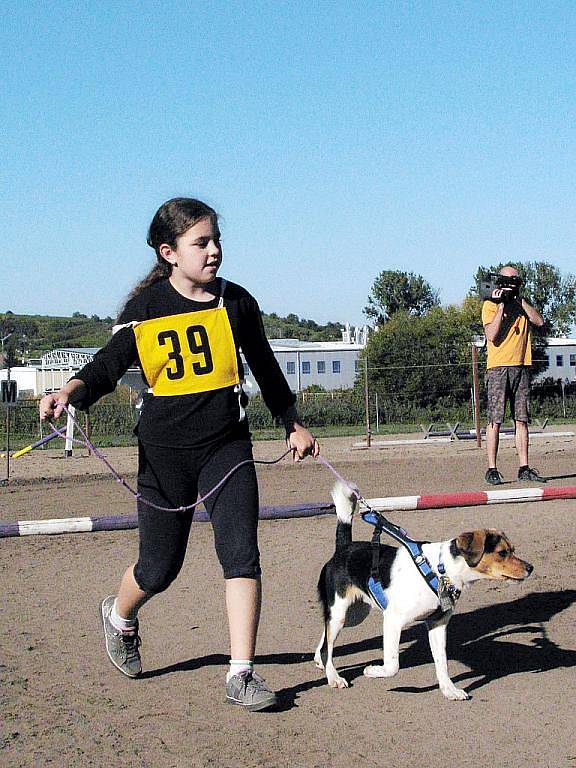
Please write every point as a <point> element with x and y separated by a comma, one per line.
<point>511,646</point>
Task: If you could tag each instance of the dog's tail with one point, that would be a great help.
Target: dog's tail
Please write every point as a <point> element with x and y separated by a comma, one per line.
<point>346,503</point>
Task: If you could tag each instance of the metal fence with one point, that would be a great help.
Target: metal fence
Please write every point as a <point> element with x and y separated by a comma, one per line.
<point>384,408</point>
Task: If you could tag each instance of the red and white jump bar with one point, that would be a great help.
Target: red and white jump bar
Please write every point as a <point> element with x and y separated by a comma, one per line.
<point>390,503</point>
<point>471,498</point>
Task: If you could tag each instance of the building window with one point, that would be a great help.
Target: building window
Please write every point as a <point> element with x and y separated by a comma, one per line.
<point>321,366</point>
<point>335,366</point>
<point>246,369</point>
<point>306,366</point>
<point>356,365</point>
<point>559,360</point>
<point>290,367</point>
<point>573,360</point>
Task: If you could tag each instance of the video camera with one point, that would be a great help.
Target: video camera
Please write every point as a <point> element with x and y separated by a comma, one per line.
<point>510,286</point>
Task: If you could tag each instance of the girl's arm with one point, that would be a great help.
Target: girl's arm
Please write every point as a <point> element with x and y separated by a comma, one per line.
<point>98,378</point>
<point>252,339</point>
<point>273,385</point>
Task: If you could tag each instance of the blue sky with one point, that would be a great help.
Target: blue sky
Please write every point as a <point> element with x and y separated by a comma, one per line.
<point>336,139</point>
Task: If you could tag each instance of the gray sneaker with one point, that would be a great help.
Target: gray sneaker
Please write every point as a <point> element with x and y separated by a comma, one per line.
<point>250,691</point>
<point>122,647</point>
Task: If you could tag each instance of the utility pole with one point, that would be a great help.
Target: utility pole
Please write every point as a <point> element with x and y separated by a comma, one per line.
<point>367,402</point>
<point>8,408</point>
<point>475,380</point>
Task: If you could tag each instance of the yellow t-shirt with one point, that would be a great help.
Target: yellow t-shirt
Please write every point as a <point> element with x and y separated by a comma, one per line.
<point>514,344</point>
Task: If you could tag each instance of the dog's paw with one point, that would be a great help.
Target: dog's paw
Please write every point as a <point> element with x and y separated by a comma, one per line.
<point>318,662</point>
<point>337,682</point>
<point>455,694</point>
<point>379,670</point>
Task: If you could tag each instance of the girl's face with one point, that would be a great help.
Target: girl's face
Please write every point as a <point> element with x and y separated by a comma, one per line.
<point>197,256</point>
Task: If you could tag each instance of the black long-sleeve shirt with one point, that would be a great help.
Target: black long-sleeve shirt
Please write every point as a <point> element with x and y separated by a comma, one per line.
<point>194,419</point>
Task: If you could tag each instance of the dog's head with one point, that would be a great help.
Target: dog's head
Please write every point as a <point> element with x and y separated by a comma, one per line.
<point>491,555</point>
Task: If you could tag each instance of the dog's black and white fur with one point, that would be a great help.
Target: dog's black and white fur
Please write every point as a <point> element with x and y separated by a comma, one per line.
<point>343,590</point>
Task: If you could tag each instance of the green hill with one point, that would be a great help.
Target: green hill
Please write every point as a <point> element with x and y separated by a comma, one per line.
<point>32,335</point>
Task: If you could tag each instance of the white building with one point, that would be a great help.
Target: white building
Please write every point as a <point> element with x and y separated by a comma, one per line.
<point>330,364</point>
<point>25,378</point>
<point>560,359</point>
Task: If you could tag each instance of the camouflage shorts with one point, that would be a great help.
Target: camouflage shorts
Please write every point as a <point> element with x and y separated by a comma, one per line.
<point>512,383</point>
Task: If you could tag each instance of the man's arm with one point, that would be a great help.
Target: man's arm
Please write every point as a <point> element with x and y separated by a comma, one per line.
<point>532,314</point>
<point>492,329</point>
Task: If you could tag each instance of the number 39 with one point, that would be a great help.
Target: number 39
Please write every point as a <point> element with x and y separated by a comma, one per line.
<point>198,344</point>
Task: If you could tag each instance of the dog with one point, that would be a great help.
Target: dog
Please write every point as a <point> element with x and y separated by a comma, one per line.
<point>346,601</point>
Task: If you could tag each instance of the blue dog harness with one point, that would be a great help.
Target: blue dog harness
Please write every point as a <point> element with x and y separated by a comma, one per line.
<point>441,585</point>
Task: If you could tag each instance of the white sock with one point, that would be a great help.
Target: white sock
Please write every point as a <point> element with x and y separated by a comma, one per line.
<point>237,666</point>
<point>124,625</point>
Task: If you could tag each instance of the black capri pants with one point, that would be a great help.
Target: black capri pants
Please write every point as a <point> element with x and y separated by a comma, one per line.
<point>174,477</point>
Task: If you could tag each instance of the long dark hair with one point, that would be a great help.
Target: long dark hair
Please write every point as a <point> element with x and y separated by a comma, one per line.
<point>171,220</point>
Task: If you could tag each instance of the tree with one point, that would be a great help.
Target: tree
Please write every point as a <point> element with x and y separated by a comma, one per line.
<point>394,291</point>
<point>545,287</point>
<point>424,361</point>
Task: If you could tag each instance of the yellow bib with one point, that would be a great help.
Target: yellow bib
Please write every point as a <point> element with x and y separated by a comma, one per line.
<point>188,353</point>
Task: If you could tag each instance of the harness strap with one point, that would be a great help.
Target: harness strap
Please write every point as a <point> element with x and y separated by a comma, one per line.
<point>414,549</point>
<point>375,544</point>
<point>377,593</point>
<point>446,592</point>
<point>374,582</point>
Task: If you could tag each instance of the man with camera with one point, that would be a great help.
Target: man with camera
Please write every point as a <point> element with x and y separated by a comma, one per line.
<point>507,318</point>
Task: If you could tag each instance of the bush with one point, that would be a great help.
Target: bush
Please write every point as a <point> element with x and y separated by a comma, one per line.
<point>112,420</point>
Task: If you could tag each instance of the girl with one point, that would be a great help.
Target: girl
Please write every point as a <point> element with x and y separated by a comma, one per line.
<point>185,326</point>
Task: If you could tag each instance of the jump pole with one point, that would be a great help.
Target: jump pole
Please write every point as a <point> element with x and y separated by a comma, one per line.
<point>391,503</point>
<point>69,432</point>
<point>416,441</point>
<point>130,521</point>
<point>476,387</point>
<point>37,444</point>
<point>470,498</point>
<point>471,435</point>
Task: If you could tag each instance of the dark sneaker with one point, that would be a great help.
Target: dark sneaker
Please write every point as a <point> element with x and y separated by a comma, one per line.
<point>531,475</point>
<point>493,477</point>
<point>122,647</point>
<point>250,691</point>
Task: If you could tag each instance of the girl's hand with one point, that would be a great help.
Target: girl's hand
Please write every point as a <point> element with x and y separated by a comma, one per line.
<point>51,405</point>
<point>301,442</point>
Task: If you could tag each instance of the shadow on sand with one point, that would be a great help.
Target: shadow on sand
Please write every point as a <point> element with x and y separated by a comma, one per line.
<point>493,642</point>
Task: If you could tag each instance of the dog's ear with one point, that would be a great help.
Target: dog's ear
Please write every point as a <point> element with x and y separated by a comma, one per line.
<point>471,546</point>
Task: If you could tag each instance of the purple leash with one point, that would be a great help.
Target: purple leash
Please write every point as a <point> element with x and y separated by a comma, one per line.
<point>339,477</point>
<point>137,495</point>
<point>87,443</point>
